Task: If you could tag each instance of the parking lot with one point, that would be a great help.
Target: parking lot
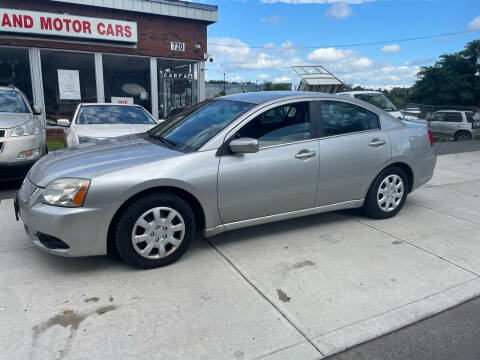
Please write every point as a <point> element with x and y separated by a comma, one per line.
<point>304,288</point>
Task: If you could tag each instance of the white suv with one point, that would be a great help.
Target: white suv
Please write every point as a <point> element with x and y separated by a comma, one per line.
<point>458,125</point>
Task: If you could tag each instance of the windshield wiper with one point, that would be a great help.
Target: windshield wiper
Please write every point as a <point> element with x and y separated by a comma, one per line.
<point>170,144</point>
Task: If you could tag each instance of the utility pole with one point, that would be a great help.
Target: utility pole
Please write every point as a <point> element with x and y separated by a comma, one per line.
<point>256,85</point>
<point>224,85</point>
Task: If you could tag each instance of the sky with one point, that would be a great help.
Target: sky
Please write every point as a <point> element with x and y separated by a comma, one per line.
<point>312,32</point>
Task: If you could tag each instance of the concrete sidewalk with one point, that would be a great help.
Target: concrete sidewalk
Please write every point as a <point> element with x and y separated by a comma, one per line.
<point>303,288</point>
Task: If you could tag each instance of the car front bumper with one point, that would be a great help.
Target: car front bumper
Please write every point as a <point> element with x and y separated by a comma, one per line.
<point>11,167</point>
<point>82,231</point>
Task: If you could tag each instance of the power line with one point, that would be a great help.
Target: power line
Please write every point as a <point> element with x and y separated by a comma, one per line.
<point>380,42</point>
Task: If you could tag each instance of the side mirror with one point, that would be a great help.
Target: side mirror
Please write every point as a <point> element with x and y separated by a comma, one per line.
<point>244,146</point>
<point>63,122</point>
<point>37,110</point>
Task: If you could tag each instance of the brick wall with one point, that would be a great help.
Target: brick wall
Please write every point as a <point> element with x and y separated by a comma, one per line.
<point>154,32</point>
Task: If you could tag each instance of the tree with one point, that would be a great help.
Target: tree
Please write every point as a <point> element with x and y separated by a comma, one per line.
<point>270,86</point>
<point>452,80</point>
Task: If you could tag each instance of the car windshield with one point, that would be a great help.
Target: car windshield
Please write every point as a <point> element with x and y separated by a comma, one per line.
<point>12,102</point>
<point>113,115</point>
<point>379,100</point>
<point>190,130</point>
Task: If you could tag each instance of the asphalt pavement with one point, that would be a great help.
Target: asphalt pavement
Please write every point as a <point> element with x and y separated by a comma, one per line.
<point>455,147</point>
<point>453,334</point>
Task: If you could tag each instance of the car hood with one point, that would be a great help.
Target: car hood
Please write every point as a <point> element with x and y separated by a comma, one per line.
<point>10,120</point>
<point>109,131</point>
<point>98,158</point>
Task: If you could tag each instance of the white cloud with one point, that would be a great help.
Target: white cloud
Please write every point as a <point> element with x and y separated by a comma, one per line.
<point>390,49</point>
<point>240,56</point>
<point>274,20</point>
<point>329,54</point>
<point>340,10</point>
<point>283,79</point>
<point>353,2</point>
<point>474,24</point>
<point>241,61</point>
<point>236,78</point>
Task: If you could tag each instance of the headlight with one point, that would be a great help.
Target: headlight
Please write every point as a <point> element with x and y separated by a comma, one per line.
<point>67,192</point>
<point>31,127</point>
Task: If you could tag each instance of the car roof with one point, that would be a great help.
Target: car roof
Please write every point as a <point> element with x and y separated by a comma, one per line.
<point>108,104</point>
<point>265,96</point>
<point>11,88</point>
<point>360,92</point>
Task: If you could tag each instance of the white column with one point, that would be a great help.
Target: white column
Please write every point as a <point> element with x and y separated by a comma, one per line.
<point>154,87</point>
<point>99,78</point>
<point>201,81</point>
<point>37,81</point>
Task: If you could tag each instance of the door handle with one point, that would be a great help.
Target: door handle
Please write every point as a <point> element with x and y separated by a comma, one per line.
<point>377,143</point>
<point>305,154</point>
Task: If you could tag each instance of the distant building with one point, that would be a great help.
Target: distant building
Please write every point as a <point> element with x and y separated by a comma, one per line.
<point>213,90</point>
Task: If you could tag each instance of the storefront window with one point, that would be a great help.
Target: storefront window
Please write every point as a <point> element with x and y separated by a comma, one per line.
<point>177,86</point>
<point>127,80</point>
<point>15,70</point>
<point>68,79</point>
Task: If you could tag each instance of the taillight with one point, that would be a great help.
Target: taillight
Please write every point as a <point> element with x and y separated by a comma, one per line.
<point>430,137</point>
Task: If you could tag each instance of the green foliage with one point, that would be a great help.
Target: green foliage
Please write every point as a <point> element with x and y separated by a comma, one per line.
<point>452,80</point>
<point>270,86</point>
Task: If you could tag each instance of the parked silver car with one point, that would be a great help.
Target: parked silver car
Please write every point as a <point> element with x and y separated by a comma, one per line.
<point>227,163</point>
<point>454,124</point>
<point>95,121</point>
<point>22,137</point>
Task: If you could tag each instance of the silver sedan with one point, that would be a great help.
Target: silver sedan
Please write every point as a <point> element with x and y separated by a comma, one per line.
<point>224,164</point>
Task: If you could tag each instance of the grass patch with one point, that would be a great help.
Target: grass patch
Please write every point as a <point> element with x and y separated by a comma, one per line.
<point>55,145</point>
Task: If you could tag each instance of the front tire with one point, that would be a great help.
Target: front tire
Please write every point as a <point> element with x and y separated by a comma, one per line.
<point>155,230</point>
<point>387,194</point>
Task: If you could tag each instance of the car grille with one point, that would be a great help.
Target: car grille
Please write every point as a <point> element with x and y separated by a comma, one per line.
<point>27,190</point>
<point>2,133</point>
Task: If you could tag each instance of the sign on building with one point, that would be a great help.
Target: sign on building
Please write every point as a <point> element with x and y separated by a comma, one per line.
<point>71,26</point>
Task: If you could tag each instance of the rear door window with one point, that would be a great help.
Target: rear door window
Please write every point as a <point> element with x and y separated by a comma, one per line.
<point>343,118</point>
<point>454,117</point>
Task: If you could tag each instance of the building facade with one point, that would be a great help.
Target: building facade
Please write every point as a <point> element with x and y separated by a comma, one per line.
<point>147,52</point>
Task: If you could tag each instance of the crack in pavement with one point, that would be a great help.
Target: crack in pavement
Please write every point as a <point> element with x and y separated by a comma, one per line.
<point>230,262</point>
<point>412,244</point>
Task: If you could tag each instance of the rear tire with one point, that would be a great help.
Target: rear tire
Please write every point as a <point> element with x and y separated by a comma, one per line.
<point>387,194</point>
<point>463,136</point>
<point>155,230</point>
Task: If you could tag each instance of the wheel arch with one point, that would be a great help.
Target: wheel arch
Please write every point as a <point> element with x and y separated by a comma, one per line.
<point>402,165</point>
<point>194,203</point>
<point>462,131</point>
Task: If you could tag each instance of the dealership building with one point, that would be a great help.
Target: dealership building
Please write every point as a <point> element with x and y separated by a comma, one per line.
<point>147,52</point>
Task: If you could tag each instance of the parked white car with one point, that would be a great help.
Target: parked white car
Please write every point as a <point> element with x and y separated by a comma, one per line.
<point>102,121</point>
<point>375,98</point>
